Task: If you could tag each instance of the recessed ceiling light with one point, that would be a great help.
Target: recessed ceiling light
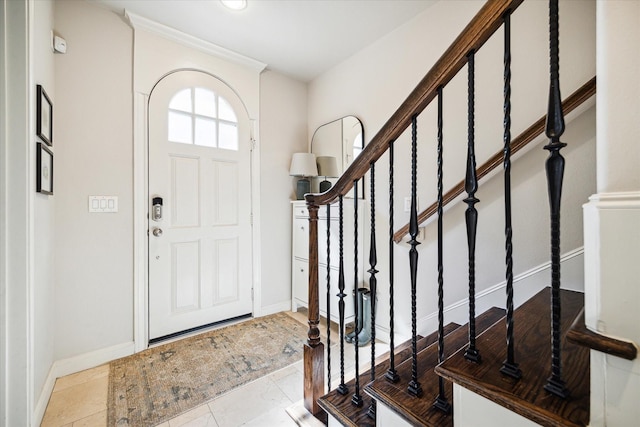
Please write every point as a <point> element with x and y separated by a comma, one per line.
<point>234,4</point>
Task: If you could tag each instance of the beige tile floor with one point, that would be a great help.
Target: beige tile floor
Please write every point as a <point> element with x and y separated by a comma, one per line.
<point>81,399</point>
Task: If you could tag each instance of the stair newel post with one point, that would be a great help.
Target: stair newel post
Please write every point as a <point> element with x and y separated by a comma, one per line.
<point>328,297</point>
<point>342,388</point>
<point>357,397</point>
<point>555,172</point>
<point>314,348</point>
<point>441,401</point>
<point>414,387</point>
<point>391,374</point>
<point>373,285</point>
<point>509,367</point>
<point>471,214</point>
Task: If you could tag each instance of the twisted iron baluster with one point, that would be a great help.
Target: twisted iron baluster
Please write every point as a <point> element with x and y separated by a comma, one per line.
<point>342,388</point>
<point>441,401</point>
<point>373,285</point>
<point>414,386</point>
<point>391,374</point>
<point>357,398</point>
<point>328,297</point>
<point>555,173</point>
<point>509,367</point>
<point>471,214</point>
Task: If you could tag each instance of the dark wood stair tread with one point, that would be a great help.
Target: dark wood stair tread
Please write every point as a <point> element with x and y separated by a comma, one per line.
<point>581,335</point>
<point>340,406</point>
<point>527,396</point>
<point>420,410</point>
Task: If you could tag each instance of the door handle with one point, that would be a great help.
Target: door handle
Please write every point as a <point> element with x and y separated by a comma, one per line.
<point>157,232</point>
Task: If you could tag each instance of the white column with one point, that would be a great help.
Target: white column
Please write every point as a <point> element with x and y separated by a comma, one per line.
<point>612,216</point>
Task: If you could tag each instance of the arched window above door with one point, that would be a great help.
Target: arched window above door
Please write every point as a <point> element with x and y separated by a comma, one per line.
<point>200,116</point>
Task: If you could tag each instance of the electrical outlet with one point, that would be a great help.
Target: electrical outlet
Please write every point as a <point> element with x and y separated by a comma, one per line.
<point>421,234</point>
<point>407,204</point>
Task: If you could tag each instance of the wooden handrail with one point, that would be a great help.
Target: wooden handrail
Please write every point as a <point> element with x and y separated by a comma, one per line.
<point>585,92</point>
<point>475,34</point>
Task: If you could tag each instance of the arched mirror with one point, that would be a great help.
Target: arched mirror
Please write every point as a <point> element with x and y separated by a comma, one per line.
<point>342,139</point>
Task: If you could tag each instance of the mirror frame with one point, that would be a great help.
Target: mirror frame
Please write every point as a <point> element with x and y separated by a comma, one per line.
<point>343,146</point>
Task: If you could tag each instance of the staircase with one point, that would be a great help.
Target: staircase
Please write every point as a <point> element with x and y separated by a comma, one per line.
<point>535,373</point>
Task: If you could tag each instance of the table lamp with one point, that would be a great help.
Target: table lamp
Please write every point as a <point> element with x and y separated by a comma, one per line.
<point>327,167</point>
<point>303,165</point>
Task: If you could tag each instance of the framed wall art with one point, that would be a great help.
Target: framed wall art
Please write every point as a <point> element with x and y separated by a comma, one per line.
<point>44,116</point>
<point>44,170</point>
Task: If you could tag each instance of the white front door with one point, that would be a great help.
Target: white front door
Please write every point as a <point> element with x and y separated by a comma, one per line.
<point>200,255</point>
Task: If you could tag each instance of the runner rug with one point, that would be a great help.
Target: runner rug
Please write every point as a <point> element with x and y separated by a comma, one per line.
<point>157,384</point>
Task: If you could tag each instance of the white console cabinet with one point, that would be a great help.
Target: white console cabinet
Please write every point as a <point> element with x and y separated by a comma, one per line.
<point>300,256</point>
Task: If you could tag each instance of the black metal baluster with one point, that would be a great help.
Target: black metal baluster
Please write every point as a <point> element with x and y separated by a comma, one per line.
<point>373,285</point>
<point>471,214</point>
<point>414,386</point>
<point>342,388</point>
<point>391,374</point>
<point>555,173</point>
<point>441,401</point>
<point>357,398</point>
<point>328,297</point>
<point>509,367</point>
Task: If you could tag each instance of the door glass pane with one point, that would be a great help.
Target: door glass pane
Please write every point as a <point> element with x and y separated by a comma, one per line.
<point>205,132</point>
<point>226,112</point>
<point>205,102</point>
<point>180,128</point>
<point>181,101</point>
<point>228,136</point>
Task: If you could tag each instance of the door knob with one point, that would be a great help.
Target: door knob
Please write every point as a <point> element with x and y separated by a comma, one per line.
<point>157,232</point>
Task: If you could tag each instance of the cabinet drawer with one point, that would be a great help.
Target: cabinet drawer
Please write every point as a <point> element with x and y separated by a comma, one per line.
<point>301,281</point>
<point>300,211</point>
<point>301,238</point>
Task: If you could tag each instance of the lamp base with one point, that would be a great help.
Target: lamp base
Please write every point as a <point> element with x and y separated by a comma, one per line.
<point>325,185</point>
<point>304,187</point>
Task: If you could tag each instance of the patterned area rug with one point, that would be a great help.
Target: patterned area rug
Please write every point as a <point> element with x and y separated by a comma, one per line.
<point>155,385</point>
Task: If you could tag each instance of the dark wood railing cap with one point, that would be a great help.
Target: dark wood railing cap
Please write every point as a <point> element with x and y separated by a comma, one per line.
<point>475,34</point>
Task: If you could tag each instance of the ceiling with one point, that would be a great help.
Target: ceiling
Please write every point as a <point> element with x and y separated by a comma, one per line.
<point>299,38</point>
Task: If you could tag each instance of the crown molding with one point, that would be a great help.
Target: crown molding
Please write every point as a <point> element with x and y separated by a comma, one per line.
<point>138,22</point>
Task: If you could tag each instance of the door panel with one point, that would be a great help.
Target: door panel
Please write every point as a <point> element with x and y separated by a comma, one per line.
<point>185,260</point>
<point>225,193</point>
<point>185,191</point>
<point>200,263</point>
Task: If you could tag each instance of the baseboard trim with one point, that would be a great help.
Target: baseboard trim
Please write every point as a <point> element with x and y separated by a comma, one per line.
<point>71,365</point>
<point>43,400</point>
<point>92,359</point>
<point>275,308</point>
<point>485,299</point>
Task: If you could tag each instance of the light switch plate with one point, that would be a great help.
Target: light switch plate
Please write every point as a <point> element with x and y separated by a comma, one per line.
<point>103,204</point>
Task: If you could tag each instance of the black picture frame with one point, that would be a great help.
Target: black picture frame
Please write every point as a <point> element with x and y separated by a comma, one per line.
<point>44,116</point>
<point>44,170</point>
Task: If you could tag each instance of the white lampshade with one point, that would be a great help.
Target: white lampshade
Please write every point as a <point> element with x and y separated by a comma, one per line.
<point>327,166</point>
<point>303,164</point>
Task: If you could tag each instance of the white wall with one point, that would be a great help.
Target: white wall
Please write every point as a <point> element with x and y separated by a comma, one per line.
<point>44,227</point>
<point>27,230</point>
<point>374,82</point>
<point>93,109</point>
<point>283,131</point>
<point>16,150</point>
